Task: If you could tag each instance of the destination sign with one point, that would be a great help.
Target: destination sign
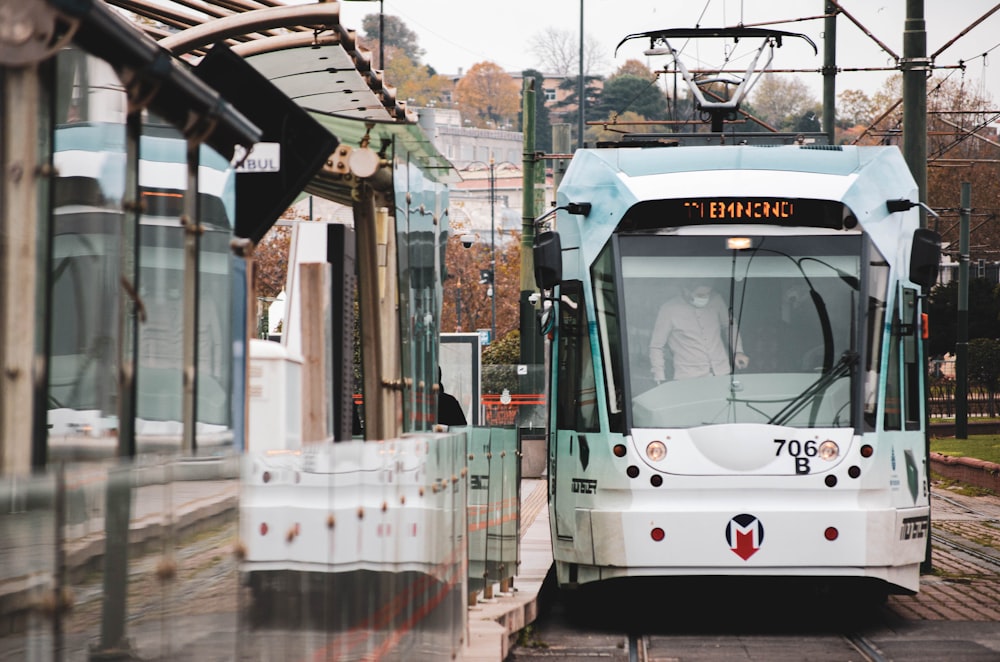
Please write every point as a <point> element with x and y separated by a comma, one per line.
<point>789,212</point>
<point>739,210</point>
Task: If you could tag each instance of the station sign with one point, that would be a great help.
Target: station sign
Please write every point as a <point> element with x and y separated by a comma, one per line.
<point>263,157</point>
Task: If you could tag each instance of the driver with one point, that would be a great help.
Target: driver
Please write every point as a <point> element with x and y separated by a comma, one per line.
<point>694,325</point>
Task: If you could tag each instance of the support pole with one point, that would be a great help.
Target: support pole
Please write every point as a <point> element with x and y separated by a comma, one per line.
<point>192,234</point>
<point>830,70</point>
<point>581,87</point>
<point>531,345</point>
<point>915,66</point>
<point>19,222</point>
<point>962,332</point>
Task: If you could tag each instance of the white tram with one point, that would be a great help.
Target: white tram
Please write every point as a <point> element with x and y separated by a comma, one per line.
<point>801,451</point>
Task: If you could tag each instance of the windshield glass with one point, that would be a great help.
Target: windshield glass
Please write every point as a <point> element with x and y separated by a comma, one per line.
<point>758,334</point>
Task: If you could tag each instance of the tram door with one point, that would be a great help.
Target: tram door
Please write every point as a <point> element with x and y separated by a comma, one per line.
<point>575,407</point>
<point>903,417</point>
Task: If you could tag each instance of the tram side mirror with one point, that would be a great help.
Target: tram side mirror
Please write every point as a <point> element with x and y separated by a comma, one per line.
<point>548,260</point>
<point>925,256</point>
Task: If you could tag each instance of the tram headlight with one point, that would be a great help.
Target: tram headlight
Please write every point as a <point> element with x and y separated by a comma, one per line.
<point>656,451</point>
<point>828,450</point>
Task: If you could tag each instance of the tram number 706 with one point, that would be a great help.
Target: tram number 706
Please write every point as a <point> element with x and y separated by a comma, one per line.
<point>799,451</point>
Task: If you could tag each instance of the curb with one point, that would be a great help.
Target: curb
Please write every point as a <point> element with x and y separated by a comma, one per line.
<point>968,470</point>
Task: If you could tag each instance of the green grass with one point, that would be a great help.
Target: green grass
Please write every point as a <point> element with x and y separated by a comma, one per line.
<point>981,446</point>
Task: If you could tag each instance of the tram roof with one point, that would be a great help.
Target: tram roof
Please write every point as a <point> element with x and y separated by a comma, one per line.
<point>835,160</point>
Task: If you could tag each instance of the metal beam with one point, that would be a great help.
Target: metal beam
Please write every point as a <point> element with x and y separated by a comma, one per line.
<point>326,14</point>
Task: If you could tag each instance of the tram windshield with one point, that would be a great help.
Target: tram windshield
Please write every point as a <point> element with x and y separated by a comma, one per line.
<point>723,329</point>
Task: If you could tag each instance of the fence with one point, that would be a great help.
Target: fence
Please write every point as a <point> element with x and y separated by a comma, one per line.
<point>982,402</point>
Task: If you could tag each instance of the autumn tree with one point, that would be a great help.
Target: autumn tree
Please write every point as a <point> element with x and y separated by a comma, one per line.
<point>488,95</point>
<point>961,147</point>
<point>413,80</point>
<point>617,126</point>
<point>854,107</point>
<point>271,261</point>
<point>466,306</point>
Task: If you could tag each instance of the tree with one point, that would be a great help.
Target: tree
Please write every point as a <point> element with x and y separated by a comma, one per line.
<point>961,147</point>
<point>558,51</point>
<point>397,35</point>
<point>633,67</point>
<point>271,261</point>
<point>782,102</point>
<point>465,305</point>
<point>488,95</point>
<point>413,80</point>
<point>984,313</point>
<point>618,126</point>
<point>854,107</point>
<point>569,107</point>
<point>984,367</point>
<point>627,92</point>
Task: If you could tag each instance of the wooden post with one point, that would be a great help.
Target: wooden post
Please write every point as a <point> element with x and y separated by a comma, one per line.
<point>315,318</point>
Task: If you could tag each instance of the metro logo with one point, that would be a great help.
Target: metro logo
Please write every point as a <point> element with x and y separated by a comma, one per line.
<point>745,535</point>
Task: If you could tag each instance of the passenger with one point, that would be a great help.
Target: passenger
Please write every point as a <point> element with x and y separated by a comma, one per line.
<point>695,326</point>
<point>449,411</point>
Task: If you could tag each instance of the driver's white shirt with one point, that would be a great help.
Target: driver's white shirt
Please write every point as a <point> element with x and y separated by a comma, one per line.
<point>696,338</point>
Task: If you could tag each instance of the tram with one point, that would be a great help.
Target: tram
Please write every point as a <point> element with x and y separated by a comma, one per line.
<point>736,366</point>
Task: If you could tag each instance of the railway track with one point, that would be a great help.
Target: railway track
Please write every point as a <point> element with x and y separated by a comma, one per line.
<point>949,535</point>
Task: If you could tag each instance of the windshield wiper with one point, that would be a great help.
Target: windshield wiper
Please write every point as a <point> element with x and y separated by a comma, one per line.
<point>841,369</point>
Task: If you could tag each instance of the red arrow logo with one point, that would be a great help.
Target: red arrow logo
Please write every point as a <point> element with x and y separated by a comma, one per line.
<point>744,545</point>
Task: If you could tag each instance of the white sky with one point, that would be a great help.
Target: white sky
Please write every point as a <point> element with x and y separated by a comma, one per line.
<point>459,33</point>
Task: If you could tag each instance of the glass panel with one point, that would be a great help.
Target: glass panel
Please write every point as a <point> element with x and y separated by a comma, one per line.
<point>355,551</point>
<point>607,307</point>
<point>88,240</point>
<point>893,417</point>
<point>754,335</point>
<point>129,560</point>
<point>878,294</point>
<point>163,181</point>
<point>577,393</point>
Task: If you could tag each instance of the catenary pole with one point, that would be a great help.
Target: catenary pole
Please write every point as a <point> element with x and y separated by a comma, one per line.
<point>830,69</point>
<point>531,344</point>
<point>962,331</point>
<point>915,66</point>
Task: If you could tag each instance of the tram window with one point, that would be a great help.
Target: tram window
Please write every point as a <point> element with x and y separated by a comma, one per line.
<point>878,279</point>
<point>892,419</point>
<point>609,330</point>
<point>914,399</point>
<point>576,399</point>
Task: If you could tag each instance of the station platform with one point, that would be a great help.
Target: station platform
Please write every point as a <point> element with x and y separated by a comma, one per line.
<point>203,496</point>
<point>494,623</point>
